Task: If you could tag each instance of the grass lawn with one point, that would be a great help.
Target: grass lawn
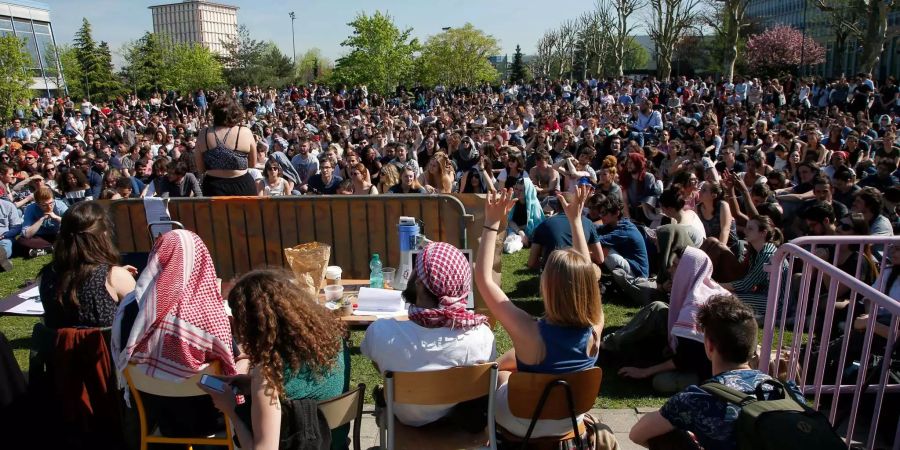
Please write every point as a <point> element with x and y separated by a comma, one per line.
<point>518,282</point>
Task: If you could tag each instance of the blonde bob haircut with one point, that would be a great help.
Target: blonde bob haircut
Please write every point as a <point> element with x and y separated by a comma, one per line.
<point>571,290</point>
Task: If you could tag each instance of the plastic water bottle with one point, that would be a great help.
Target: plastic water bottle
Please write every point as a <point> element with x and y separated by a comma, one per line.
<point>376,278</point>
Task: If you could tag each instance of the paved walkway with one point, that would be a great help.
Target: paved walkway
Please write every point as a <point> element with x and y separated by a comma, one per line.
<point>619,420</point>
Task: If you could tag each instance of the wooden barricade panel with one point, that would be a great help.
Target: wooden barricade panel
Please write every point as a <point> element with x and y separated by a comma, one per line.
<point>243,234</point>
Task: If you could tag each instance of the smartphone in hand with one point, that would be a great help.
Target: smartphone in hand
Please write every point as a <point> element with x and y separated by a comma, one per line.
<point>216,384</point>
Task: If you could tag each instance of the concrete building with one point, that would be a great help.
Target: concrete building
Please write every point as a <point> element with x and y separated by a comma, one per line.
<point>30,21</point>
<point>197,21</point>
<point>803,15</point>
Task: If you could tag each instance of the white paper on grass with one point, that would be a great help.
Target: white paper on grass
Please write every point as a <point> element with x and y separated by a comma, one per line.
<point>30,307</point>
<point>34,292</point>
<point>379,302</point>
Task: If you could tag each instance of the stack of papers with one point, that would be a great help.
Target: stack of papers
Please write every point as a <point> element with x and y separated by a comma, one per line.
<point>32,305</point>
<point>379,302</point>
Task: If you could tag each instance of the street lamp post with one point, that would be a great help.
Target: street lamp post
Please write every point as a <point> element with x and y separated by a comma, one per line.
<point>293,41</point>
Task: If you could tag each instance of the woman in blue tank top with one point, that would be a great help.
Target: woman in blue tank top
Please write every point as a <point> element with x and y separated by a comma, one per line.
<point>566,339</point>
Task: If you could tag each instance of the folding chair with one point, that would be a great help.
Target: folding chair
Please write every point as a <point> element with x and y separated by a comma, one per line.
<point>534,396</point>
<point>139,382</point>
<point>438,387</point>
<point>340,410</point>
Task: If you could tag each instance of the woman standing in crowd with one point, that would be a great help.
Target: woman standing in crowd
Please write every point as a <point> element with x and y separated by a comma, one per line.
<point>716,216</point>
<point>295,350</point>
<point>75,187</point>
<point>523,218</point>
<point>408,183</point>
<point>84,283</point>
<point>223,158</point>
<point>567,338</point>
<point>388,178</point>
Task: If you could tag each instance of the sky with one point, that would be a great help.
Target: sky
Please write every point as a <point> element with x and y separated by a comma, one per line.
<point>323,23</point>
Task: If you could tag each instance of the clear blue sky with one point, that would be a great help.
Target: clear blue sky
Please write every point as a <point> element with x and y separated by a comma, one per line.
<point>323,23</point>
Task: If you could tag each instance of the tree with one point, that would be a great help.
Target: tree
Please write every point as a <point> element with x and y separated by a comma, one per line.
<point>622,28</point>
<point>277,68</point>
<point>841,21</point>
<point>459,57</point>
<point>146,62</point>
<point>781,49</point>
<point>635,56</point>
<point>546,51</point>
<point>669,22</point>
<point>866,20</point>
<point>95,62</point>
<point>68,60</point>
<point>194,67</point>
<point>729,21</point>
<point>312,65</point>
<point>242,59</point>
<point>594,31</point>
<point>381,55</point>
<point>517,71</point>
<point>15,81</point>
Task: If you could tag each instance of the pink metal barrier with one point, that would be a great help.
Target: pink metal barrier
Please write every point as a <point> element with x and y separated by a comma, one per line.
<point>843,368</point>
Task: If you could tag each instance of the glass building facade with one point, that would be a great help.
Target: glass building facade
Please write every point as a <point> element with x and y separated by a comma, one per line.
<point>30,21</point>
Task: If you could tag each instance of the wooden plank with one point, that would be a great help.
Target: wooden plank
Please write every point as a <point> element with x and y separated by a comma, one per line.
<point>273,252</point>
<point>323,223</point>
<point>221,239</point>
<point>183,211</point>
<point>118,213</point>
<point>451,223</point>
<point>359,239</point>
<point>431,216</point>
<point>139,225</point>
<point>258,241</point>
<point>240,239</point>
<point>393,209</point>
<point>306,219</point>
<point>342,246</point>
<point>287,224</point>
<point>201,210</point>
<point>375,220</point>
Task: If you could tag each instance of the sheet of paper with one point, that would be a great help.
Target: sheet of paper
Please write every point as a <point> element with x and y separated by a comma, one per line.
<point>379,314</point>
<point>373,300</point>
<point>30,307</point>
<point>157,210</point>
<point>34,292</point>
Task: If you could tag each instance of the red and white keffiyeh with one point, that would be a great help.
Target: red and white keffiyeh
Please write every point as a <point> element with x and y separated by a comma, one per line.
<point>181,326</point>
<point>446,273</point>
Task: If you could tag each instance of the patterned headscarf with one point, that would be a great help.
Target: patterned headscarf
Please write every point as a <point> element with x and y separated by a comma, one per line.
<point>446,273</point>
<point>181,326</point>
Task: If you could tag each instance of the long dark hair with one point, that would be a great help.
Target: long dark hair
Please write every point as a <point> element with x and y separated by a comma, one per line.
<point>84,243</point>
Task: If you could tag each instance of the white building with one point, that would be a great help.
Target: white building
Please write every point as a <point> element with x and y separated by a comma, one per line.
<point>197,21</point>
<point>30,21</point>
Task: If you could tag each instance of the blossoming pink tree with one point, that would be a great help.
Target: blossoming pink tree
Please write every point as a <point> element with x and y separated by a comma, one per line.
<point>779,50</point>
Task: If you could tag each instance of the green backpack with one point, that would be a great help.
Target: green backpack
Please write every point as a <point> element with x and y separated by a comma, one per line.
<point>781,423</point>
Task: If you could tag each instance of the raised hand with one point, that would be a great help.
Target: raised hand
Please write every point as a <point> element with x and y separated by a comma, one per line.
<point>574,208</point>
<point>497,207</point>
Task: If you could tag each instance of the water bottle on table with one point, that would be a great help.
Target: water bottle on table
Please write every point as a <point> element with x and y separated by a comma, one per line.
<point>376,277</point>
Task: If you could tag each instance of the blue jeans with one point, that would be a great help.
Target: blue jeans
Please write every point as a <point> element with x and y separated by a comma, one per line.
<point>7,246</point>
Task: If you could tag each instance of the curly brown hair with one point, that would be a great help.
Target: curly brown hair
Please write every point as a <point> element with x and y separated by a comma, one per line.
<point>280,325</point>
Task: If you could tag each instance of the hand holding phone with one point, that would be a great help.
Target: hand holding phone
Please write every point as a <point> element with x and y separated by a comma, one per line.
<point>214,383</point>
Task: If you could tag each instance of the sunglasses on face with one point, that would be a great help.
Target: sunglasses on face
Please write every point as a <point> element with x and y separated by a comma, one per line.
<point>272,169</point>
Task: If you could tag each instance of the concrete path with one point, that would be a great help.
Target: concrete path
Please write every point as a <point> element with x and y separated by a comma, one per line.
<point>619,420</point>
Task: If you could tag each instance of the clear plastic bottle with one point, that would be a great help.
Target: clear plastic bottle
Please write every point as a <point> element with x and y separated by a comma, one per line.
<point>376,278</point>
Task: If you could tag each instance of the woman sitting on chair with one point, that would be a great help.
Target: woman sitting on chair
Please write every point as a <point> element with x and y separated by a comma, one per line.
<point>567,338</point>
<point>84,283</point>
<point>173,327</point>
<point>295,350</point>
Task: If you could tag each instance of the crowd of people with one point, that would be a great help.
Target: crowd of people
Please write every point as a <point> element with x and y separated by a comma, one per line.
<point>678,192</point>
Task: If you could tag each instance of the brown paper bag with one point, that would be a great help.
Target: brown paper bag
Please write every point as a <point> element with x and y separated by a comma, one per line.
<point>308,262</point>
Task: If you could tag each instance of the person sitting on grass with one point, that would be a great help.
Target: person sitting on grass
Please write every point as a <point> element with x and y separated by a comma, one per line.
<point>41,222</point>
<point>295,350</point>
<point>668,331</point>
<point>440,332</point>
<point>567,338</point>
<point>729,329</point>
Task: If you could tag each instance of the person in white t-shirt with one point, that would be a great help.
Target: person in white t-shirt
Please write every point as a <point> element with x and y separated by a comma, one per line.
<point>440,332</point>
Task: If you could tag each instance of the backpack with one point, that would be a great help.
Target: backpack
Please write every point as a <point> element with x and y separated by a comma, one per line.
<point>779,423</point>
